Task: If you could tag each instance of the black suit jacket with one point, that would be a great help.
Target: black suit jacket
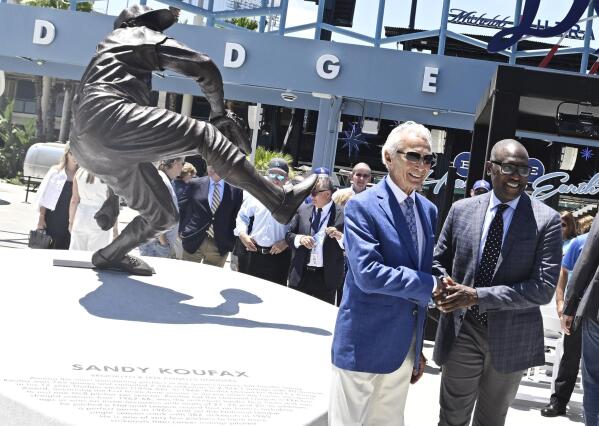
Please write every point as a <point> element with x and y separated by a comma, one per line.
<point>582,296</point>
<point>333,261</point>
<point>196,217</point>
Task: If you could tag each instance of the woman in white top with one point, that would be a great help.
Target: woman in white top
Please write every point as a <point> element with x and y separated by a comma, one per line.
<point>54,197</point>
<point>89,193</point>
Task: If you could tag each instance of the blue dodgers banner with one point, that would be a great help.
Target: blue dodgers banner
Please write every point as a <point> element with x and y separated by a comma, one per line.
<point>507,37</point>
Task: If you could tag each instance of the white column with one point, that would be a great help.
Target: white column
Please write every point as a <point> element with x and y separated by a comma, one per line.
<point>161,100</point>
<point>186,105</point>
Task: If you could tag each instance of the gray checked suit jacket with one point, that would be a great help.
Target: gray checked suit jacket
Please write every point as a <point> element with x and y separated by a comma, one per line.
<point>525,277</point>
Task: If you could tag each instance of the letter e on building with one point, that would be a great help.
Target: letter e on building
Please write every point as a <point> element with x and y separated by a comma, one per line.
<point>234,55</point>
<point>429,82</point>
<point>327,66</point>
<point>43,32</point>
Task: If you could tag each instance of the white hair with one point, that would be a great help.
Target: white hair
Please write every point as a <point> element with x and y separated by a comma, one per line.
<point>396,136</point>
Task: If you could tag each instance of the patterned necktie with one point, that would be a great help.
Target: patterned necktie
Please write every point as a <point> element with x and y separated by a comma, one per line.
<point>408,212</point>
<point>316,222</point>
<point>213,206</point>
<point>488,261</point>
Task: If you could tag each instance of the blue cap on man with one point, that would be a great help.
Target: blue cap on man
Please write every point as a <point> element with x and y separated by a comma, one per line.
<point>482,184</point>
<point>321,171</point>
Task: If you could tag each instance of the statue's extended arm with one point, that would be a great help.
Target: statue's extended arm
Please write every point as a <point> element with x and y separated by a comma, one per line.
<point>184,60</point>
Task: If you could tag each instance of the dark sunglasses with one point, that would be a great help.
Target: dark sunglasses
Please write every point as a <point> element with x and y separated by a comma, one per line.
<point>415,157</point>
<point>564,225</point>
<point>510,169</point>
<point>280,178</point>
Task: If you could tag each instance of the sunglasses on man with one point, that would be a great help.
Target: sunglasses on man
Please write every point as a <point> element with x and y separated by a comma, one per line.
<point>280,178</point>
<point>315,193</point>
<point>510,169</point>
<point>416,158</point>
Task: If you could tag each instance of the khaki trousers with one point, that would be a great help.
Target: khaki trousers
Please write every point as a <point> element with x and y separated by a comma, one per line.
<point>369,399</point>
<point>207,253</point>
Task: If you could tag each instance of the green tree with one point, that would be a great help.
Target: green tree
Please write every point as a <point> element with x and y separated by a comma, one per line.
<point>15,141</point>
<point>58,4</point>
<point>244,22</point>
<point>263,157</point>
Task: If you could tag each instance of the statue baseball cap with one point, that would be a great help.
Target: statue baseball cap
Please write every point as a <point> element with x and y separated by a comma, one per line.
<point>481,184</point>
<point>144,16</point>
<point>279,163</point>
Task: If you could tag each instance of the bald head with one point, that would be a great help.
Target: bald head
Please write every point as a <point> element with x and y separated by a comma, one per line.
<point>509,169</point>
<point>360,177</point>
<point>508,148</point>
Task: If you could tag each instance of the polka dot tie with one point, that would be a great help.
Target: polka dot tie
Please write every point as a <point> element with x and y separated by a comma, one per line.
<point>488,261</point>
<point>408,211</point>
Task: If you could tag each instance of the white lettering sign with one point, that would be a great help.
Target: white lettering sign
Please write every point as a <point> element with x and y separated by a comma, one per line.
<point>327,66</point>
<point>542,192</point>
<point>429,82</point>
<point>234,55</point>
<point>43,32</point>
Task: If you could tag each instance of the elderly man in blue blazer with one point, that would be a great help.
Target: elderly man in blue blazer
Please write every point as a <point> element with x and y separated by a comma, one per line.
<point>502,251</point>
<point>389,240</point>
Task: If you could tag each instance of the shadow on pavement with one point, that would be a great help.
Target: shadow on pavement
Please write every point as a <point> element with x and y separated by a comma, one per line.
<point>121,297</point>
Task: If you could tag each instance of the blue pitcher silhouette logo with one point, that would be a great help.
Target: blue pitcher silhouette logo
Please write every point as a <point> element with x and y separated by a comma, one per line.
<point>510,36</point>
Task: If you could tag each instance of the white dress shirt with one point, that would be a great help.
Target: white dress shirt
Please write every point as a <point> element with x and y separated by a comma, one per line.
<point>49,190</point>
<point>266,231</point>
<point>401,197</point>
<point>508,214</point>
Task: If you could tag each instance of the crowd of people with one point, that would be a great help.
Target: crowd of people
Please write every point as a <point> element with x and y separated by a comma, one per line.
<point>372,251</point>
<point>500,255</point>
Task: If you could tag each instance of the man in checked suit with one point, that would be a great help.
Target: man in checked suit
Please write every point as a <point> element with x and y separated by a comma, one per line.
<point>316,238</point>
<point>389,240</point>
<point>209,207</point>
<point>582,301</point>
<point>502,251</point>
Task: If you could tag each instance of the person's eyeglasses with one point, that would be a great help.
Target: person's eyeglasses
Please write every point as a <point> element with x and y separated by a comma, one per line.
<point>362,175</point>
<point>510,169</point>
<point>415,157</point>
<point>280,178</point>
<point>315,193</point>
<point>480,191</point>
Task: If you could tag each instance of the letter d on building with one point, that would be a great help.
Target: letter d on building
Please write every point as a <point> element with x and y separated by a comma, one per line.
<point>234,55</point>
<point>43,32</point>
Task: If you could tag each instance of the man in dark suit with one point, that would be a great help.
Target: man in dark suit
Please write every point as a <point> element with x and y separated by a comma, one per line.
<point>389,241</point>
<point>502,251</point>
<point>208,211</point>
<point>582,300</point>
<point>316,237</point>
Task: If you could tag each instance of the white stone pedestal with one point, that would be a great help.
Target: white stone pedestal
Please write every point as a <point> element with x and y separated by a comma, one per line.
<point>191,345</point>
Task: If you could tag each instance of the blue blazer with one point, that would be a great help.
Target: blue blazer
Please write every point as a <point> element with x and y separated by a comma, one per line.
<point>385,293</point>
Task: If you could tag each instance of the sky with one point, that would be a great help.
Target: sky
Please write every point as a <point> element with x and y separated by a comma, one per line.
<point>397,13</point>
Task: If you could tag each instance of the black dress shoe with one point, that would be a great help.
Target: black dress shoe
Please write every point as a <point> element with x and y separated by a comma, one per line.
<point>128,264</point>
<point>554,409</point>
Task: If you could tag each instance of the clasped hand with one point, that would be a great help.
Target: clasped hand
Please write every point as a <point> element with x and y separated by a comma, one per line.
<point>450,296</point>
